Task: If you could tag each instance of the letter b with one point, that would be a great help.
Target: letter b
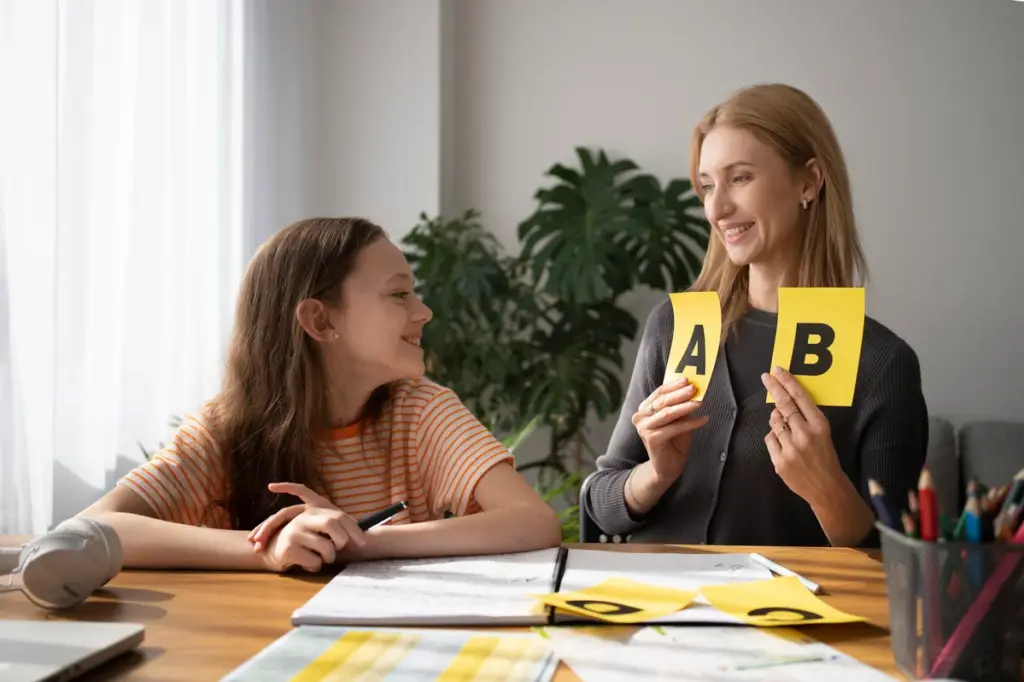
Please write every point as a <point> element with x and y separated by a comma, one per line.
<point>803,348</point>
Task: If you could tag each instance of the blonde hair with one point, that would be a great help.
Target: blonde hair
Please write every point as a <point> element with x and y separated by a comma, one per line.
<point>795,126</point>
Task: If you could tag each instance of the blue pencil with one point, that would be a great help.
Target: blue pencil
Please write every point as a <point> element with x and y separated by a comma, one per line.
<point>972,533</point>
<point>881,506</point>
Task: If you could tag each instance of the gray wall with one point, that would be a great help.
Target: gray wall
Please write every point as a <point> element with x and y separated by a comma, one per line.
<point>927,97</point>
<point>386,109</point>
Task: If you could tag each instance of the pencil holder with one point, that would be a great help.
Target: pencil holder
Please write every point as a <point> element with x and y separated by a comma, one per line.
<point>956,609</point>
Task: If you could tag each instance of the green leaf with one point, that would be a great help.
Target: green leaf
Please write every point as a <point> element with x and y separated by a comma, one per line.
<point>535,339</point>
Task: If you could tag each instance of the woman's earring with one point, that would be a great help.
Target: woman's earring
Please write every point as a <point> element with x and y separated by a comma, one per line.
<point>804,204</point>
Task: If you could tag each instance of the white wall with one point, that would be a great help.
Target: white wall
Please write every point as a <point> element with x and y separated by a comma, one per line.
<point>381,110</point>
<point>385,109</point>
<point>345,111</point>
<point>926,96</point>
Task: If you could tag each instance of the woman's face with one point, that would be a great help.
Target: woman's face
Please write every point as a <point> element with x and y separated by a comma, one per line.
<point>752,197</point>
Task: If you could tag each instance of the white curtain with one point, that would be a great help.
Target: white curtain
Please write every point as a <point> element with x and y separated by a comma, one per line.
<point>121,239</point>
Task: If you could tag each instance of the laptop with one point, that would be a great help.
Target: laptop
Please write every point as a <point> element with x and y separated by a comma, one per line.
<point>50,650</point>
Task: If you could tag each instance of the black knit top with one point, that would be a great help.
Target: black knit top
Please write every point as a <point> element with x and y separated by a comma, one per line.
<point>729,492</point>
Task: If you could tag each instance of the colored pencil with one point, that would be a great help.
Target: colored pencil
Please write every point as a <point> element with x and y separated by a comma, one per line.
<point>929,508</point>
<point>881,506</point>
<point>909,525</point>
<point>1015,495</point>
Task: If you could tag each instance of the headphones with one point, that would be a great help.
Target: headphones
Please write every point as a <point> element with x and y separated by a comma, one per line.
<point>65,566</point>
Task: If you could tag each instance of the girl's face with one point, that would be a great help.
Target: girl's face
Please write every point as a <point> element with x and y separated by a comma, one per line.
<point>379,322</point>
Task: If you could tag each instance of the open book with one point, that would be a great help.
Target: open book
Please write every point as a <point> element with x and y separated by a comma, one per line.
<point>499,590</point>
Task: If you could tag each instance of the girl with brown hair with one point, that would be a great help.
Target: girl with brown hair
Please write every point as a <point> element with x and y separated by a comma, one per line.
<point>324,418</point>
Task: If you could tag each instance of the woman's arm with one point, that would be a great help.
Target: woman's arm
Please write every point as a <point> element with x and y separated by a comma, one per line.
<point>148,542</point>
<point>893,430</point>
<point>513,518</point>
<point>843,514</point>
<point>606,501</point>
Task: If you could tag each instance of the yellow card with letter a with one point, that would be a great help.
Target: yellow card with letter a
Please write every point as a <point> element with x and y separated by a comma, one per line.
<point>620,600</point>
<point>818,340</point>
<point>696,333</point>
<point>774,602</point>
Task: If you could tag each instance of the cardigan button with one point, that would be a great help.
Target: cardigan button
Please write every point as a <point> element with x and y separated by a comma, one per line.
<point>721,457</point>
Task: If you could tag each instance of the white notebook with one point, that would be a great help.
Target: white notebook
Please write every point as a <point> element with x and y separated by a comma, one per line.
<point>498,590</point>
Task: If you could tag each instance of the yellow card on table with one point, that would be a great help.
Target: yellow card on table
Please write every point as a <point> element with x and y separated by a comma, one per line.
<point>696,332</point>
<point>620,600</point>
<point>818,340</point>
<point>774,602</point>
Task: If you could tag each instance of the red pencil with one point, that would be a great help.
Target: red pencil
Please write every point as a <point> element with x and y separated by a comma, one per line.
<point>928,506</point>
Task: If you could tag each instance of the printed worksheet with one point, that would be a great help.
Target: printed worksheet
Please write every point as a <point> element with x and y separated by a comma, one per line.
<point>315,652</point>
<point>701,654</point>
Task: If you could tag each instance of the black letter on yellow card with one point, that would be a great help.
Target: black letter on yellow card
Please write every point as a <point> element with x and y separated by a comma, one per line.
<point>783,614</point>
<point>695,354</point>
<point>804,348</point>
<point>605,608</point>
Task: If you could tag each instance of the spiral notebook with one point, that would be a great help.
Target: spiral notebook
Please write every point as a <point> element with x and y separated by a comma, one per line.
<point>500,590</point>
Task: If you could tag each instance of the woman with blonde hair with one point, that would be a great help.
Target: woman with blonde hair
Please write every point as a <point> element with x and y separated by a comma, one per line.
<point>732,468</point>
<point>325,419</point>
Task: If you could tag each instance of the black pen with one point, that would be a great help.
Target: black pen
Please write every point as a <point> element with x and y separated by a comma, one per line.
<point>377,518</point>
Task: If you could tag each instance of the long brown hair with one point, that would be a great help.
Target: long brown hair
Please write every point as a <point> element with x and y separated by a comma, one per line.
<point>792,123</point>
<point>274,395</point>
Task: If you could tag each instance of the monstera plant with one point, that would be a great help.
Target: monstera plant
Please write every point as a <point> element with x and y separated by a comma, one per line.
<point>536,339</point>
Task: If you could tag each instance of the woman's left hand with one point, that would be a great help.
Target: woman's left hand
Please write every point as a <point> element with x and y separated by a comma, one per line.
<point>800,440</point>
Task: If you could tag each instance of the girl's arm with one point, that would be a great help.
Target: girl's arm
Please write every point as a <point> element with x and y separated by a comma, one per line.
<point>513,518</point>
<point>148,542</point>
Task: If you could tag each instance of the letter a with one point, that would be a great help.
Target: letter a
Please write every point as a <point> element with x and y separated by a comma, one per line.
<point>695,353</point>
<point>696,332</point>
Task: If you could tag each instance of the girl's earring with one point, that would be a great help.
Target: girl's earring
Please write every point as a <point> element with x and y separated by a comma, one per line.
<point>804,204</point>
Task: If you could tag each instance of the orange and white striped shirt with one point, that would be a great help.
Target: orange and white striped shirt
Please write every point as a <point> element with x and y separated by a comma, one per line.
<point>438,453</point>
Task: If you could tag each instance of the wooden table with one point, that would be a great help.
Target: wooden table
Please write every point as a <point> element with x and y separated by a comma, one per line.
<point>201,625</point>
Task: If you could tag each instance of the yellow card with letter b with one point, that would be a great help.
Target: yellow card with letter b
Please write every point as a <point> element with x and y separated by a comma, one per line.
<point>696,333</point>
<point>818,340</point>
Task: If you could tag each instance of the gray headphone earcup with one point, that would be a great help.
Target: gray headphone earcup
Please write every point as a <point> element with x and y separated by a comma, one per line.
<point>65,566</point>
<point>111,544</point>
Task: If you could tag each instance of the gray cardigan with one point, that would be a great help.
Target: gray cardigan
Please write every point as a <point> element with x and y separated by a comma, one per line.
<point>729,492</point>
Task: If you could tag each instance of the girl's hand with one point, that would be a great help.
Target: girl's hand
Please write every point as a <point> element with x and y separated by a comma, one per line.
<point>261,535</point>
<point>312,540</point>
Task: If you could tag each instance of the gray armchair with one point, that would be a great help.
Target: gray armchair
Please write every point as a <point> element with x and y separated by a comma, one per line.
<point>990,451</point>
<point>943,463</point>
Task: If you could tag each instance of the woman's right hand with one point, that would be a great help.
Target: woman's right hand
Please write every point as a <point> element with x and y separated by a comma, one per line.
<point>666,427</point>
